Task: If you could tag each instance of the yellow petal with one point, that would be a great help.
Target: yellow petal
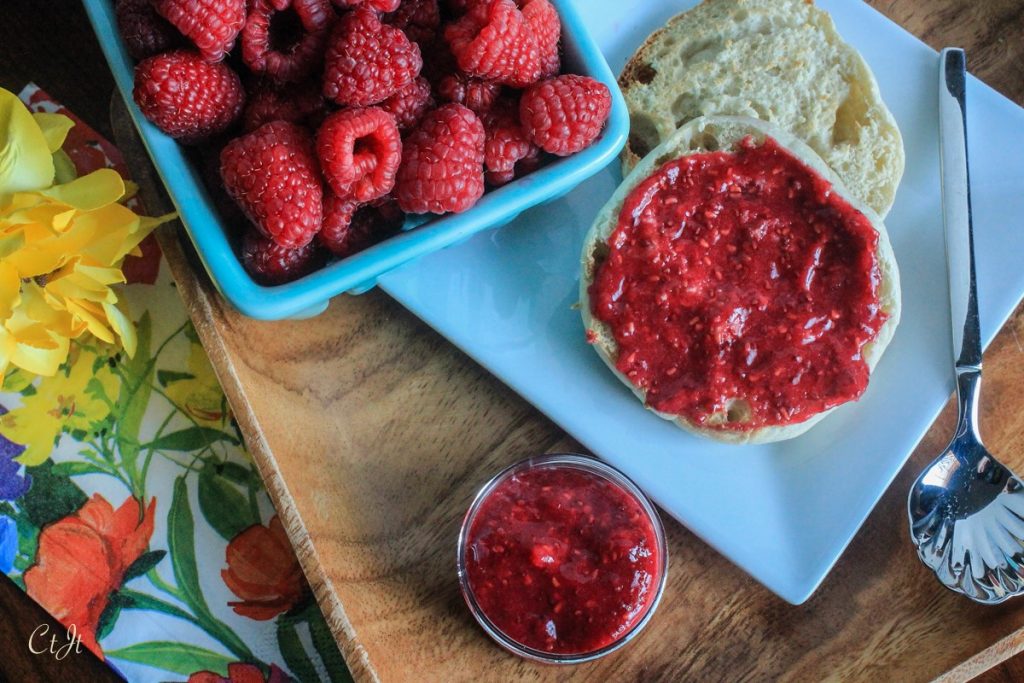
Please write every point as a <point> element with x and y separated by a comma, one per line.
<point>39,358</point>
<point>10,290</point>
<point>64,170</point>
<point>124,328</point>
<point>10,243</point>
<point>90,317</point>
<point>54,127</point>
<point>89,192</point>
<point>25,159</point>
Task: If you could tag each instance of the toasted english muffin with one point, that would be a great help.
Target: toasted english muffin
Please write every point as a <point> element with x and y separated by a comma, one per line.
<point>777,60</point>
<point>724,133</point>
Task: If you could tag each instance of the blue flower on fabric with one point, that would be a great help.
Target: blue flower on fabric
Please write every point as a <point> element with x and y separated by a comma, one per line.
<point>8,543</point>
<point>13,485</point>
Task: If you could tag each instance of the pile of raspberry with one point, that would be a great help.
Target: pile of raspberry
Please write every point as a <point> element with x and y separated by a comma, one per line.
<point>321,123</point>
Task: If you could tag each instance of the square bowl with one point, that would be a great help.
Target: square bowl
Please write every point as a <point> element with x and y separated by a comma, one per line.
<point>355,274</point>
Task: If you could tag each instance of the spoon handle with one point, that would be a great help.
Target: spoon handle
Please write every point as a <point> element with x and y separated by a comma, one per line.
<point>956,210</point>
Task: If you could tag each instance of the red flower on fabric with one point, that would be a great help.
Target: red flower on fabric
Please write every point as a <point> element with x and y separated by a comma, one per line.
<point>82,559</point>
<point>241,673</point>
<point>264,572</point>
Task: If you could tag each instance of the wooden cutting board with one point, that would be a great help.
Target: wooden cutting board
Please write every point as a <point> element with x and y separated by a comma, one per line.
<point>372,433</point>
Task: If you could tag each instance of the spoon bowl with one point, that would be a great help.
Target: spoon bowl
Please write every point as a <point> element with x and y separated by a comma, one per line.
<point>967,521</point>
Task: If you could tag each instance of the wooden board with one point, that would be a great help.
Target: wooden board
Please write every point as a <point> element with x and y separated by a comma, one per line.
<point>373,432</point>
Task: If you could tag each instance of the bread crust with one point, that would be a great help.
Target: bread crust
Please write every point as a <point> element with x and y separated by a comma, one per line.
<point>777,60</point>
<point>715,133</point>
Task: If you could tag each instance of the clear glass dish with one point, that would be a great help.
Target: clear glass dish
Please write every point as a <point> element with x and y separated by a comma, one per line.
<point>591,466</point>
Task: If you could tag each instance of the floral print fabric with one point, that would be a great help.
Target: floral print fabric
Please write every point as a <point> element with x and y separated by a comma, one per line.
<point>129,507</point>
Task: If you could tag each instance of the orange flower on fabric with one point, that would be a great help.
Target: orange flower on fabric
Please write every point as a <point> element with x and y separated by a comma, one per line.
<point>82,560</point>
<point>263,572</point>
<point>241,673</point>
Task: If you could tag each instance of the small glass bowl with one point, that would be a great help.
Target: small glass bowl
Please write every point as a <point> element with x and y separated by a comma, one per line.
<point>589,465</point>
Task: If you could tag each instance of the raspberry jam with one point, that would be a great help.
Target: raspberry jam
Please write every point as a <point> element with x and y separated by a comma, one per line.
<point>741,275</point>
<point>562,558</point>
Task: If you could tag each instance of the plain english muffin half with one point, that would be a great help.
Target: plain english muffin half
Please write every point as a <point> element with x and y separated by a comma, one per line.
<point>724,133</point>
<point>781,61</point>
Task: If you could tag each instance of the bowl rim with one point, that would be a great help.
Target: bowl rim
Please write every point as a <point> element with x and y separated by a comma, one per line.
<point>592,466</point>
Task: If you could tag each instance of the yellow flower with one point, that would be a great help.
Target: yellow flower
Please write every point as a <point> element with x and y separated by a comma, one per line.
<point>61,246</point>
<point>73,399</point>
<point>199,395</point>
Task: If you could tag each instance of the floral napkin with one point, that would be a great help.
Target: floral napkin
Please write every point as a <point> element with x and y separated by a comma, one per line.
<point>130,509</point>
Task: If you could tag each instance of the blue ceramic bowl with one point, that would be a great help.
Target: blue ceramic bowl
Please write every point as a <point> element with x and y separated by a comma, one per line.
<point>356,274</point>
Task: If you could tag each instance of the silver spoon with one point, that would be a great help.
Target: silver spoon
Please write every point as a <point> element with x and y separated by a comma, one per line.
<point>966,510</point>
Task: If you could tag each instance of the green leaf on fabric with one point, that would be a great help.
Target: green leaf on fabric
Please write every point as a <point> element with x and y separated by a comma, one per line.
<point>134,395</point>
<point>223,505</point>
<point>190,439</point>
<point>142,601</point>
<point>326,646</point>
<point>241,475</point>
<point>181,544</point>
<point>110,613</point>
<point>179,658</point>
<point>75,468</point>
<point>53,495</point>
<point>294,652</point>
<point>145,562</point>
<point>165,377</point>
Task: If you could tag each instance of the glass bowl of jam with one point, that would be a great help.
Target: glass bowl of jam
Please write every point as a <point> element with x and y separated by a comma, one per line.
<point>562,559</point>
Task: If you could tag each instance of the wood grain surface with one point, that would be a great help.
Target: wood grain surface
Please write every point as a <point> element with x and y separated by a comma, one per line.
<point>373,432</point>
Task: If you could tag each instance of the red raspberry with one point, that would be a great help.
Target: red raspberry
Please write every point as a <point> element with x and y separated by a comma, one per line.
<point>285,39</point>
<point>350,228</point>
<point>359,152</point>
<point>212,25</point>
<point>472,92</point>
<point>271,264</point>
<point>272,174</point>
<point>376,5</point>
<point>297,103</point>
<point>493,41</point>
<point>542,17</point>
<point>368,62</point>
<point>508,151</point>
<point>409,104</point>
<point>334,234</point>
<point>186,97</point>
<point>442,163</point>
<point>419,19</point>
<point>144,31</point>
<point>565,114</point>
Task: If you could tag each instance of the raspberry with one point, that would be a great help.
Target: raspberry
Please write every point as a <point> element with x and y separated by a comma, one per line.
<point>442,162</point>
<point>272,174</point>
<point>508,151</point>
<point>368,62</point>
<point>271,264</point>
<point>285,39</point>
<point>144,31</point>
<point>296,103</point>
<point>409,104</point>
<point>212,25</point>
<point>359,152</point>
<point>350,228</point>
<point>376,5</point>
<point>472,92</point>
<point>493,41</point>
<point>334,234</point>
<point>186,97</point>
<point>419,19</point>
<point>565,114</point>
<point>542,17</point>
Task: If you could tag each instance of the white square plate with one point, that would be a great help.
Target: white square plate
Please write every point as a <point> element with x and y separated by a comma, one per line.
<point>783,512</point>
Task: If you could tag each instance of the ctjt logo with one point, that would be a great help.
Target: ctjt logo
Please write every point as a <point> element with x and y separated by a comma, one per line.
<point>59,651</point>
